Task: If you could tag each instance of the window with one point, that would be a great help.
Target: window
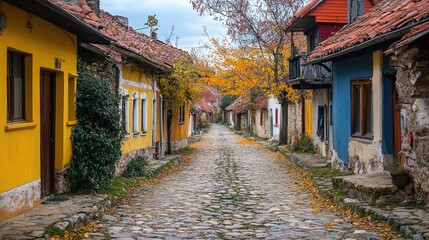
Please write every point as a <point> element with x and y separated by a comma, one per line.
<point>124,114</point>
<point>135,116</point>
<point>182,114</point>
<point>144,115</point>
<point>356,9</point>
<point>15,87</point>
<point>362,119</point>
<point>261,120</point>
<point>312,39</point>
<point>72,98</point>
<point>277,117</point>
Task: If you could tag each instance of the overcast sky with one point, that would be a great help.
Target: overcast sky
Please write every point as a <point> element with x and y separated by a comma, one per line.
<point>187,23</point>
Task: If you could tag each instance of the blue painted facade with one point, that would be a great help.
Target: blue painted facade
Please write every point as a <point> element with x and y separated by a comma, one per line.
<point>344,72</point>
<point>387,119</point>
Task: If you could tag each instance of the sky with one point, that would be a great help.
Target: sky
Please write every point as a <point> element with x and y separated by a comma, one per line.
<point>188,25</point>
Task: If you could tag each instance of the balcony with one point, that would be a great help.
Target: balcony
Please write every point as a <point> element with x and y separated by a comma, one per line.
<point>309,76</point>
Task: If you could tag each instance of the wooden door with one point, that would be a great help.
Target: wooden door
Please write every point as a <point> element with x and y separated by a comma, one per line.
<point>47,126</point>
<point>396,125</point>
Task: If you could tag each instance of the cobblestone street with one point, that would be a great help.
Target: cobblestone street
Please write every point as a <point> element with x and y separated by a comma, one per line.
<point>230,191</point>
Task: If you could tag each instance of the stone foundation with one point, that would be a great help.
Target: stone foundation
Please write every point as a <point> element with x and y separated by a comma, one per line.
<point>365,156</point>
<point>19,200</point>
<point>336,162</point>
<point>61,183</point>
<point>147,153</point>
<point>178,144</point>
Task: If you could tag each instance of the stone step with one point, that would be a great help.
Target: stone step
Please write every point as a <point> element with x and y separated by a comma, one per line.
<point>374,188</point>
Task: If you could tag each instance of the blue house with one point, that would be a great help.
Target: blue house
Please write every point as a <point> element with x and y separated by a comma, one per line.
<point>365,114</point>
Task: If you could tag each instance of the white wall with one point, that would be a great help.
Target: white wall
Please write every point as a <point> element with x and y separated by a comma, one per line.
<point>320,98</point>
<point>274,104</point>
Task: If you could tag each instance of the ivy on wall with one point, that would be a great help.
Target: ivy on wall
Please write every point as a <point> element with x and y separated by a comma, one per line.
<point>96,139</point>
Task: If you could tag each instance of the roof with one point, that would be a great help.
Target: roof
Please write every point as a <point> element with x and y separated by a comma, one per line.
<point>202,105</point>
<point>238,106</point>
<point>82,11</point>
<point>416,33</point>
<point>388,19</point>
<point>53,13</point>
<point>129,42</point>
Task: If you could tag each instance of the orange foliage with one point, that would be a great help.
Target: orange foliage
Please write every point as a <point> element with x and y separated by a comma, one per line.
<point>240,70</point>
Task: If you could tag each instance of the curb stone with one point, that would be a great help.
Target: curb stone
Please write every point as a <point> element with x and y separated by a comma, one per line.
<point>407,228</point>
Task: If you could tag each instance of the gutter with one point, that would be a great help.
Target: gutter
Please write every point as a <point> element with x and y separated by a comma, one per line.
<point>382,38</point>
<point>76,23</point>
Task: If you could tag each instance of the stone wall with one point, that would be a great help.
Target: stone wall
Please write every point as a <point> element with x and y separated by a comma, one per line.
<point>294,122</point>
<point>147,153</point>
<point>412,82</point>
<point>178,144</point>
<point>261,130</point>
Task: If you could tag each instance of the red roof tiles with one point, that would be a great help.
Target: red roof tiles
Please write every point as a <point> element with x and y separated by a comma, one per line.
<point>385,17</point>
<point>238,106</point>
<point>82,11</point>
<point>125,37</point>
<point>415,33</point>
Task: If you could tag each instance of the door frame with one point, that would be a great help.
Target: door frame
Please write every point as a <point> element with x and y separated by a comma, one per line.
<point>396,124</point>
<point>47,167</point>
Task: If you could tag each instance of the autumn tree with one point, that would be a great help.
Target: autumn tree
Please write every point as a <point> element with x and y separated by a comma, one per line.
<point>178,88</point>
<point>261,25</point>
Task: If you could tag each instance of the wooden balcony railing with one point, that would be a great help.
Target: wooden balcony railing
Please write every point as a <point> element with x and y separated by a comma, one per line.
<point>309,72</point>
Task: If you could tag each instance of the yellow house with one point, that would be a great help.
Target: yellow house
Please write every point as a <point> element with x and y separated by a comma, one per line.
<point>38,59</point>
<point>180,127</point>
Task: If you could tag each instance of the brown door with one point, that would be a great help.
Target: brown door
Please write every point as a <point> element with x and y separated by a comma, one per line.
<point>396,125</point>
<point>47,127</point>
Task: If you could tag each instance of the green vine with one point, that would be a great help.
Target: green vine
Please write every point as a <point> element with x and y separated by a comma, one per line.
<point>96,140</point>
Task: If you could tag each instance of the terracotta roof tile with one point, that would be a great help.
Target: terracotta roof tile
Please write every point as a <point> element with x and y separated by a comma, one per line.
<point>415,33</point>
<point>126,37</point>
<point>386,16</point>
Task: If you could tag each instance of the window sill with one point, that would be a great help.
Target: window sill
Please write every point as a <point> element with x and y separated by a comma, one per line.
<point>181,123</point>
<point>71,123</point>
<point>362,139</point>
<point>143,133</point>
<point>20,126</point>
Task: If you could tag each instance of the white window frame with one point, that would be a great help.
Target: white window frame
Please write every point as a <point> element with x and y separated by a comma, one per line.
<point>182,113</point>
<point>125,97</point>
<point>143,113</point>
<point>135,106</point>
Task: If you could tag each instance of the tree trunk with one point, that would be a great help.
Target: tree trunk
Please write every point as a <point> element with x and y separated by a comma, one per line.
<point>284,123</point>
<point>169,130</point>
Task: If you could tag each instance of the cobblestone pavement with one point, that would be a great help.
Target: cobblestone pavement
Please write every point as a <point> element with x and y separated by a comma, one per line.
<point>230,191</point>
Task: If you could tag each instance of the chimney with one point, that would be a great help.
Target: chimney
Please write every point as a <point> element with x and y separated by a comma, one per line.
<point>154,35</point>
<point>94,5</point>
<point>123,20</point>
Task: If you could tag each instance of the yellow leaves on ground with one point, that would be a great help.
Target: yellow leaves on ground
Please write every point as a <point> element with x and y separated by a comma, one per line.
<point>246,141</point>
<point>80,233</point>
<point>321,203</point>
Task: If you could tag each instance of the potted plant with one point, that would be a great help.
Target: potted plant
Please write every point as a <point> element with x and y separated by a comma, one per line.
<point>400,175</point>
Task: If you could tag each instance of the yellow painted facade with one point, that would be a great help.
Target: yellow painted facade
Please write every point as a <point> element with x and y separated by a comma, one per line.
<point>20,142</point>
<point>136,84</point>
<point>180,129</point>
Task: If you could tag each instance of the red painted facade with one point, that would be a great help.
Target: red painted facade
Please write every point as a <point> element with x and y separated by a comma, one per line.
<point>328,29</point>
